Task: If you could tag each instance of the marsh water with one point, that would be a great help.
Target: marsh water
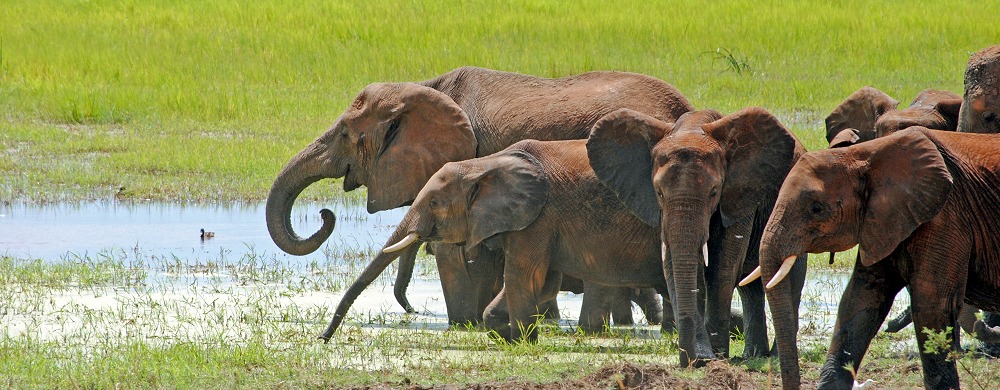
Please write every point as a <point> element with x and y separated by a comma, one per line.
<point>69,232</point>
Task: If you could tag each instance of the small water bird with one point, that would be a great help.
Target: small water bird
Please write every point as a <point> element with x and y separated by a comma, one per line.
<point>206,235</point>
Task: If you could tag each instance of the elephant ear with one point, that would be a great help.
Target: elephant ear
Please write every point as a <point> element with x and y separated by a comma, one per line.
<point>759,153</point>
<point>506,196</point>
<point>426,130</point>
<point>847,137</point>
<point>907,185</point>
<point>619,149</point>
<point>949,110</point>
<point>859,111</point>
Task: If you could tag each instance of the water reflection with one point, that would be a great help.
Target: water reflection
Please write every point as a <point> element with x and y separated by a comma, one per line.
<point>52,232</point>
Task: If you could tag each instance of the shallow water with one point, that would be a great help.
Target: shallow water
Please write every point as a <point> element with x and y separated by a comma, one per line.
<point>51,232</point>
<point>58,232</point>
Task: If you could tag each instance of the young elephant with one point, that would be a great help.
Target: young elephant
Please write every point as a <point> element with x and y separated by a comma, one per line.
<point>921,204</point>
<point>981,103</point>
<point>394,136</point>
<point>706,179</point>
<point>541,205</point>
<point>872,113</point>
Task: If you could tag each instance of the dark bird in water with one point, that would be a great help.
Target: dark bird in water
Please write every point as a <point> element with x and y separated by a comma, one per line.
<point>206,235</point>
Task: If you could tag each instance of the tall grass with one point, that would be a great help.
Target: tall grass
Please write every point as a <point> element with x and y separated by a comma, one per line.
<point>208,99</point>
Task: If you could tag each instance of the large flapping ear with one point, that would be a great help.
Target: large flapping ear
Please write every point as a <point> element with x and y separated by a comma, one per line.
<point>859,111</point>
<point>426,129</point>
<point>619,149</point>
<point>945,103</point>
<point>759,152</point>
<point>907,185</point>
<point>846,137</point>
<point>506,196</point>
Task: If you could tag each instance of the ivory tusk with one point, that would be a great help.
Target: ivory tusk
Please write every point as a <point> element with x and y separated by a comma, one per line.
<point>753,276</point>
<point>663,252</point>
<point>704,252</point>
<point>405,242</point>
<point>786,266</point>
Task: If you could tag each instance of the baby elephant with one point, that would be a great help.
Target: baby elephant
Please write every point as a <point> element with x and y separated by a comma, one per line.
<point>541,204</point>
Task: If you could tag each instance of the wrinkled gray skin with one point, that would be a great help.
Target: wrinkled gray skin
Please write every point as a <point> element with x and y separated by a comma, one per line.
<point>872,113</point>
<point>981,105</point>
<point>539,203</point>
<point>921,206</point>
<point>704,179</point>
<point>394,136</point>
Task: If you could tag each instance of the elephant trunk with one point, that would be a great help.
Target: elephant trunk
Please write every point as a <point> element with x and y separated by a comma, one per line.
<point>686,236</point>
<point>780,299</point>
<point>374,269</point>
<point>304,169</point>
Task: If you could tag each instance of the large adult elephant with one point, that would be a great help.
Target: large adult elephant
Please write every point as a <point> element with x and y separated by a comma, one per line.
<point>922,205</point>
<point>981,103</point>
<point>539,203</point>
<point>707,179</point>
<point>394,136</point>
<point>872,113</point>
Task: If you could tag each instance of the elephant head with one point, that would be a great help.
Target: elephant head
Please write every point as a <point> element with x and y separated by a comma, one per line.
<point>391,139</point>
<point>676,176</point>
<point>872,113</point>
<point>875,194</point>
<point>859,111</point>
<point>981,104</point>
<point>467,203</point>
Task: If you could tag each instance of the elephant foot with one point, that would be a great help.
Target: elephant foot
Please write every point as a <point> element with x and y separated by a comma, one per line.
<point>668,327</point>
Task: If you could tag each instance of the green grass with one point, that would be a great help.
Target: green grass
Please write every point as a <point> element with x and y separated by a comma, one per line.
<point>207,100</point>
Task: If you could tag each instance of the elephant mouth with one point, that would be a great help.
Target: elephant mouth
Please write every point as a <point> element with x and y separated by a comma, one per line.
<point>350,182</point>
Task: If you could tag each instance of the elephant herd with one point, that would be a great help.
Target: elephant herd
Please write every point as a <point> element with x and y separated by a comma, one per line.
<point>611,183</point>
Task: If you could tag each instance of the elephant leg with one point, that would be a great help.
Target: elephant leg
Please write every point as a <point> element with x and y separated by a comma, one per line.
<point>525,290</point>
<point>988,331</point>
<point>754,320</point>
<point>899,322</point>
<point>649,301</point>
<point>461,292</point>
<point>727,251</point>
<point>599,302</point>
<point>621,306</point>
<point>936,313</point>
<point>496,316</point>
<point>970,324</point>
<point>863,307</point>
<point>549,311</point>
<point>668,325</point>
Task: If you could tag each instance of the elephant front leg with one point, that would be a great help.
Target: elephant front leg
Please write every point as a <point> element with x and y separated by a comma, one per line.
<point>934,313</point>
<point>863,307</point>
<point>461,292</point>
<point>650,304</point>
<point>524,293</point>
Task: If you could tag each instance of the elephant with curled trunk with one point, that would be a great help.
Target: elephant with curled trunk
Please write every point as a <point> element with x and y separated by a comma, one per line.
<point>706,180</point>
<point>872,113</point>
<point>394,136</point>
<point>921,205</point>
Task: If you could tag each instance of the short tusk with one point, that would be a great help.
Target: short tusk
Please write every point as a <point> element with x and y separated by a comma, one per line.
<point>786,266</point>
<point>704,252</point>
<point>663,252</point>
<point>405,242</point>
<point>753,276</point>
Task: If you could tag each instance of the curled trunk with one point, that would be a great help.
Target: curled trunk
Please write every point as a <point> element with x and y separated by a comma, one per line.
<point>304,169</point>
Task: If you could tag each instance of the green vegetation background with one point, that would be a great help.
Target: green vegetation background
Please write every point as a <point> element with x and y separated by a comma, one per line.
<point>206,100</point>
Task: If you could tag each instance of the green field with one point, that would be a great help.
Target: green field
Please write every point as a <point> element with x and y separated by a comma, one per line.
<point>206,100</point>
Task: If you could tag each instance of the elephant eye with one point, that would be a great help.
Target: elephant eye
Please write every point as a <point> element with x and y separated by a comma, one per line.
<point>715,191</point>
<point>659,194</point>
<point>433,204</point>
<point>990,117</point>
<point>817,209</point>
